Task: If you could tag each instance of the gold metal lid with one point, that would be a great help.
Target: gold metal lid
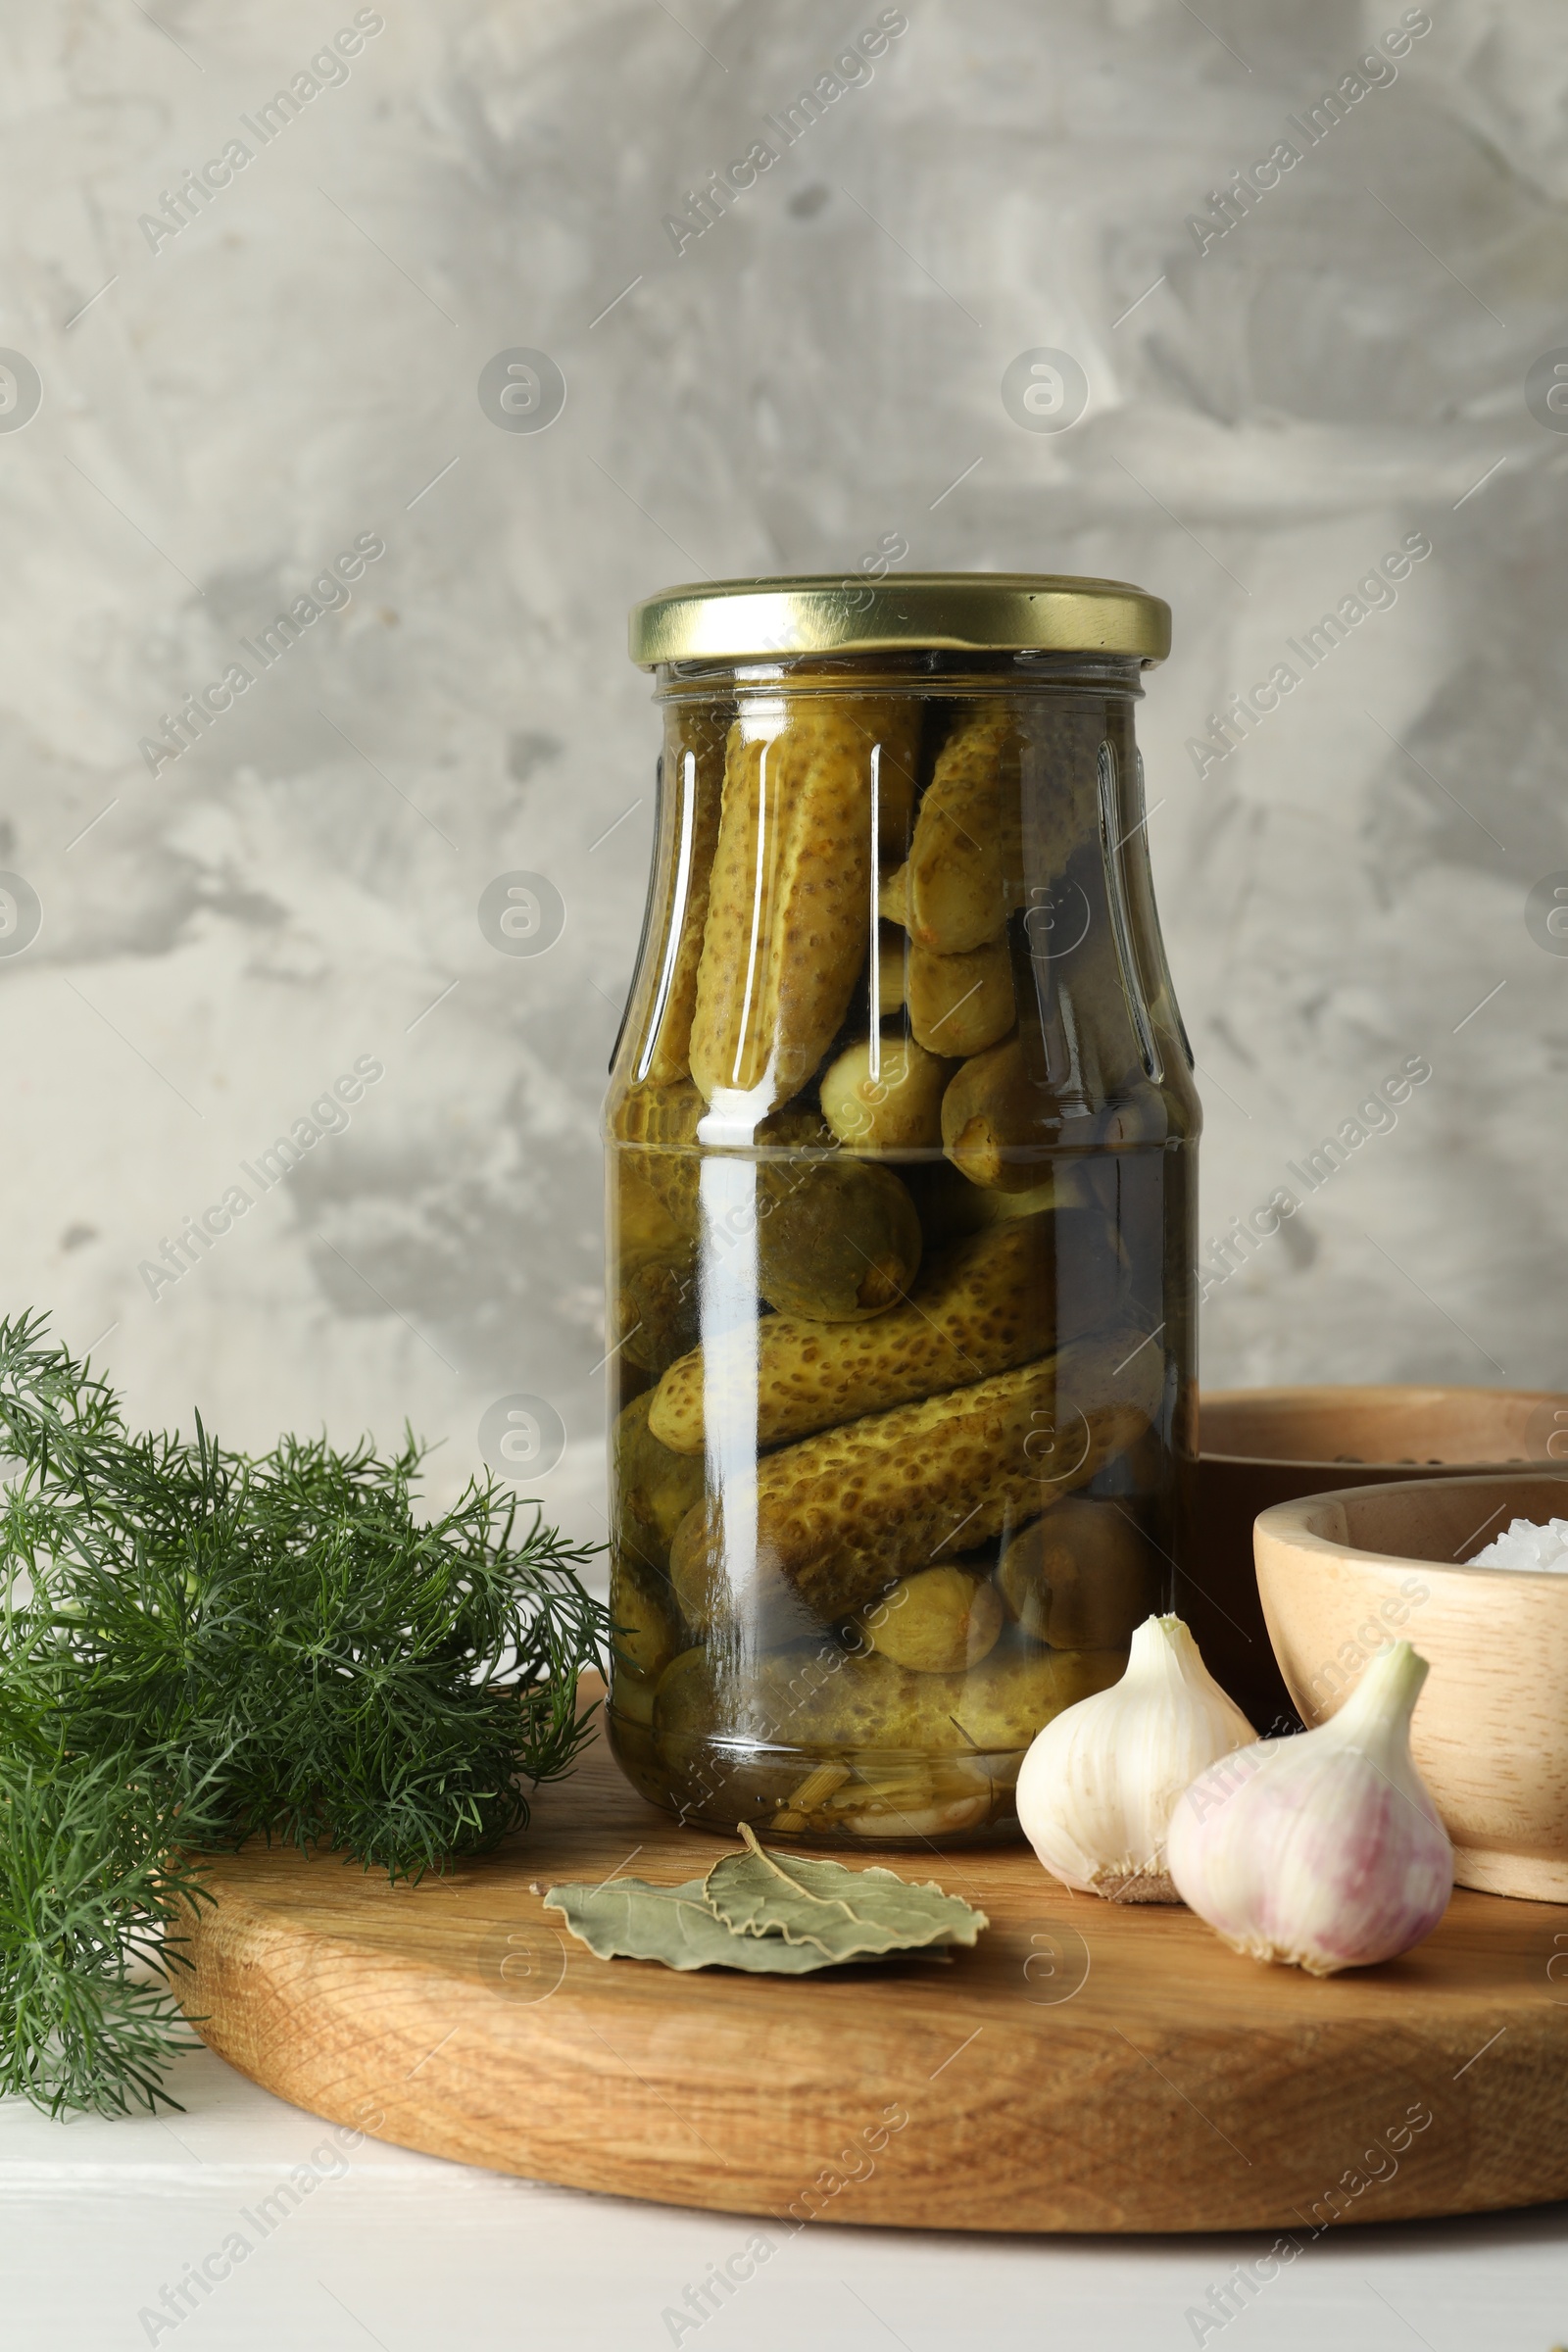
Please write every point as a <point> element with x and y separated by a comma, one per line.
<point>962,612</point>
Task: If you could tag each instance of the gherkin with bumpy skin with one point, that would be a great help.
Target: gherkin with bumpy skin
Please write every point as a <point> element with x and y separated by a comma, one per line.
<point>654,1488</point>
<point>967,863</point>
<point>965,871</point>
<point>642,1223</point>
<point>789,910</point>
<point>693,771</point>
<point>832,1520</point>
<point>663,1117</point>
<point>982,1305</point>
<point>836,1238</point>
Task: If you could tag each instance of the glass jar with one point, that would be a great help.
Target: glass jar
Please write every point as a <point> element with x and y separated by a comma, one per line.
<point>901,1156</point>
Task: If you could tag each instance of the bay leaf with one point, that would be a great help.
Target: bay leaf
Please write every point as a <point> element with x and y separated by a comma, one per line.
<point>845,1914</point>
<point>626,1919</point>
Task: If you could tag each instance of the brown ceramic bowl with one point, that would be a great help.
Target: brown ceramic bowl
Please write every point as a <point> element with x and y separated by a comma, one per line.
<point>1342,1573</point>
<point>1261,1446</point>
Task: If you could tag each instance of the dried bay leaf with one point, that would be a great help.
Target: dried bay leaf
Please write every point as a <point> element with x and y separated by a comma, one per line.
<point>628,1918</point>
<point>846,1914</point>
<point>768,1913</point>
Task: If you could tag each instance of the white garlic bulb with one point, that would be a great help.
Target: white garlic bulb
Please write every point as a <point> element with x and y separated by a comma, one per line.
<point>1098,1786</point>
<point>1325,1849</point>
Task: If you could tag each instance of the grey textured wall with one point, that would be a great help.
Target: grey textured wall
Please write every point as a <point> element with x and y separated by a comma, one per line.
<point>226,409</point>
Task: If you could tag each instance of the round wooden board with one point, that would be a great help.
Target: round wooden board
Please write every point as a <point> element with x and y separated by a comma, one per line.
<point>1085,2068</point>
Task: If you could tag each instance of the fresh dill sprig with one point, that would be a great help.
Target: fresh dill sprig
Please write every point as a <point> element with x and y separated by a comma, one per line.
<point>92,1892</point>
<point>197,1647</point>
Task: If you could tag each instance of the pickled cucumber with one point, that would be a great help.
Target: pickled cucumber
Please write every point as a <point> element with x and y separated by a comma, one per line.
<point>654,1488</point>
<point>982,1305</point>
<point>642,1221</point>
<point>939,1621</point>
<point>893,897</point>
<point>837,1237</point>
<point>828,1522</point>
<point>959,1004</point>
<point>989,1119</point>
<point>987,798</point>
<point>693,768</point>
<point>789,903</point>
<point>897,1104</point>
<point>666,1119</point>
<point>648,1631</point>
<point>1083,1576</point>
<point>634,1704</point>
<point>965,871</point>
<point>657,1306</point>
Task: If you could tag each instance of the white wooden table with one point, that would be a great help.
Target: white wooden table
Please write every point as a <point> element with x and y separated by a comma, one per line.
<point>97,2219</point>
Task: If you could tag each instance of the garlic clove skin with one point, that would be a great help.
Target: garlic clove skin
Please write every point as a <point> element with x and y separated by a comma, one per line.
<point>1325,1850</point>
<point>1099,1783</point>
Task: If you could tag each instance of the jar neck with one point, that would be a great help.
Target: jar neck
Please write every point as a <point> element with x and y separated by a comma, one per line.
<point>932,672</point>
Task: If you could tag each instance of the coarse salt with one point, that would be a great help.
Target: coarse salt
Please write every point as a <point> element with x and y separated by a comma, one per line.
<point>1526,1544</point>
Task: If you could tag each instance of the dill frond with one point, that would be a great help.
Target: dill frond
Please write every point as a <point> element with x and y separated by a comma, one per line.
<point>198,1646</point>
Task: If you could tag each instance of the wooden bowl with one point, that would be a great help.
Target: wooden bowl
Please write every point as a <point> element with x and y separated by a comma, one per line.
<point>1340,1574</point>
<point>1265,1446</point>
